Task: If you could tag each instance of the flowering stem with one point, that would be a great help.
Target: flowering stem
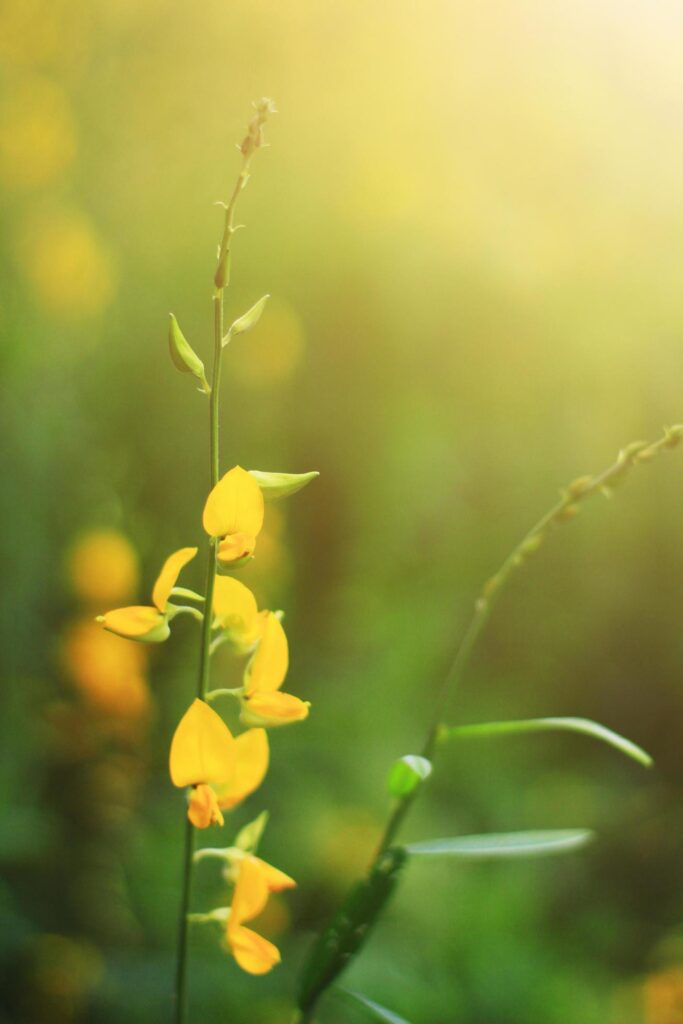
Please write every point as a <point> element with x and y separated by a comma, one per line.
<point>221,278</point>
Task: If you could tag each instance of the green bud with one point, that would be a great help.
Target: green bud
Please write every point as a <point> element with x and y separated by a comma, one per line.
<point>249,837</point>
<point>222,275</point>
<point>673,435</point>
<point>407,773</point>
<point>578,487</point>
<point>249,320</point>
<point>281,485</point>
<point>183,355</point>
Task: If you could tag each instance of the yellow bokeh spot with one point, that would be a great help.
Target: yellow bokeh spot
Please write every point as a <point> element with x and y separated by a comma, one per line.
<point>68,266</point>
<point>102,567</point>
<point>108,672</point>
<point>37,133</point>
<point>273,351</point>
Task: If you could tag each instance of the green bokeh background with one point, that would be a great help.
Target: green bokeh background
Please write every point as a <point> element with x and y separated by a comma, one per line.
<point>471,223</point>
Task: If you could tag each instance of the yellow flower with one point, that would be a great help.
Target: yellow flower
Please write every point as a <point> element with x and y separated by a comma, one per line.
<point>255,881</point>
<point>234,512</point>
<point>144,622</point>
<point>263,704</point>
<point>204,754</point>
<point>202,749</point>
<point>235,611</point>
<point>251,765</point>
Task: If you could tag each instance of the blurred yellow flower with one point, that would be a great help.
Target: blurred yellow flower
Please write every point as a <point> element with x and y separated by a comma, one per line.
<point>109,674</point>
<point>663,997</point>
<point>102,567</point>
<point>37,133</point>
<point>263,704</point>
<point>67,264</point>
<point>255,881</point>
<point>234,512</point>
<point>143,622</point>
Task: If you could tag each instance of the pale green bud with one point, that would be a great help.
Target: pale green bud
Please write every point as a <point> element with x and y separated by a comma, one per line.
<point>281,485</point>
<point>183,355</point>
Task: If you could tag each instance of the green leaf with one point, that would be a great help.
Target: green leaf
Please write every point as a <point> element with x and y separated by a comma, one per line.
<point>249,837</point>
<point>504,844</point>
<point>281,485</point>
<point>248,320</point>
<point>376,1011</point>
<point>407,773</point>
<point>183,355</point>
<point>348,930</point>
<point>580,725</point>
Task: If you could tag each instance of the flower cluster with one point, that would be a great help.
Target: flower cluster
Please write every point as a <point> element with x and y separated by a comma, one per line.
<point>217,769</point>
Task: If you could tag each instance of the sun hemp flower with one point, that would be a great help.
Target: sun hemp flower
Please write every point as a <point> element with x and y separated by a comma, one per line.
<point>255,882</point>
<point>205,754</point>
<point>262,703</point>
<point>145,622</point>
<point>236,612</point>
<point>234,513</point>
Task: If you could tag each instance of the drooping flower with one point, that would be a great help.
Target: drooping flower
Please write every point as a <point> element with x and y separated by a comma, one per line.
<point>234,513</point>
<point>263,704</point>
<point>149,623</point>
<point>221,770</point>
<point>255,881</point>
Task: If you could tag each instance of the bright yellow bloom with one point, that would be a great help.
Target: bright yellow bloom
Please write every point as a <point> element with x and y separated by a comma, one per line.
<point>204,754</point>
<point>263,704</point>
<point>235,610</point>
<point>251,765</point>
<point>234,512</point>
<point>203,749</point>
<point>255,882</point>
<point>144,622</point>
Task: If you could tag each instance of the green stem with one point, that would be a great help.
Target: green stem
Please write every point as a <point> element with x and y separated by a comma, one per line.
<point>562,511</point>
<point>221,281</point>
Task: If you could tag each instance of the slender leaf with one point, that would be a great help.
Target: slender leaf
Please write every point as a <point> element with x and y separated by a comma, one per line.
<point>504,844</point>
<point>580,725</point>
<point>375,1010</point>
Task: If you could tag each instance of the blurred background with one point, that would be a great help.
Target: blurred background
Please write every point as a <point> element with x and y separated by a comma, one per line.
<point>471,223</point>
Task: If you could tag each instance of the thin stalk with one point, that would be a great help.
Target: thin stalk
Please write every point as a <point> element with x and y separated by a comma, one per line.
<point>252,142</point>
<point>562,511</point>
<point>204,663</point>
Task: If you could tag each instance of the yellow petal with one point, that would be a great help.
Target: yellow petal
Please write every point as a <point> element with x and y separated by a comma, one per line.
<point>276,880</point>
<point>138,622</point>
<point>253,953</point>
<point>236,610</point>
<point>203,809</point>
<point>203,749</point>
<point>271,709</point>
<point>250,895</point>
<point>168,576</point>
<point>235,547</point>
<point>251,765</point>
<point>235,505</point>
<point>268,667</point>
